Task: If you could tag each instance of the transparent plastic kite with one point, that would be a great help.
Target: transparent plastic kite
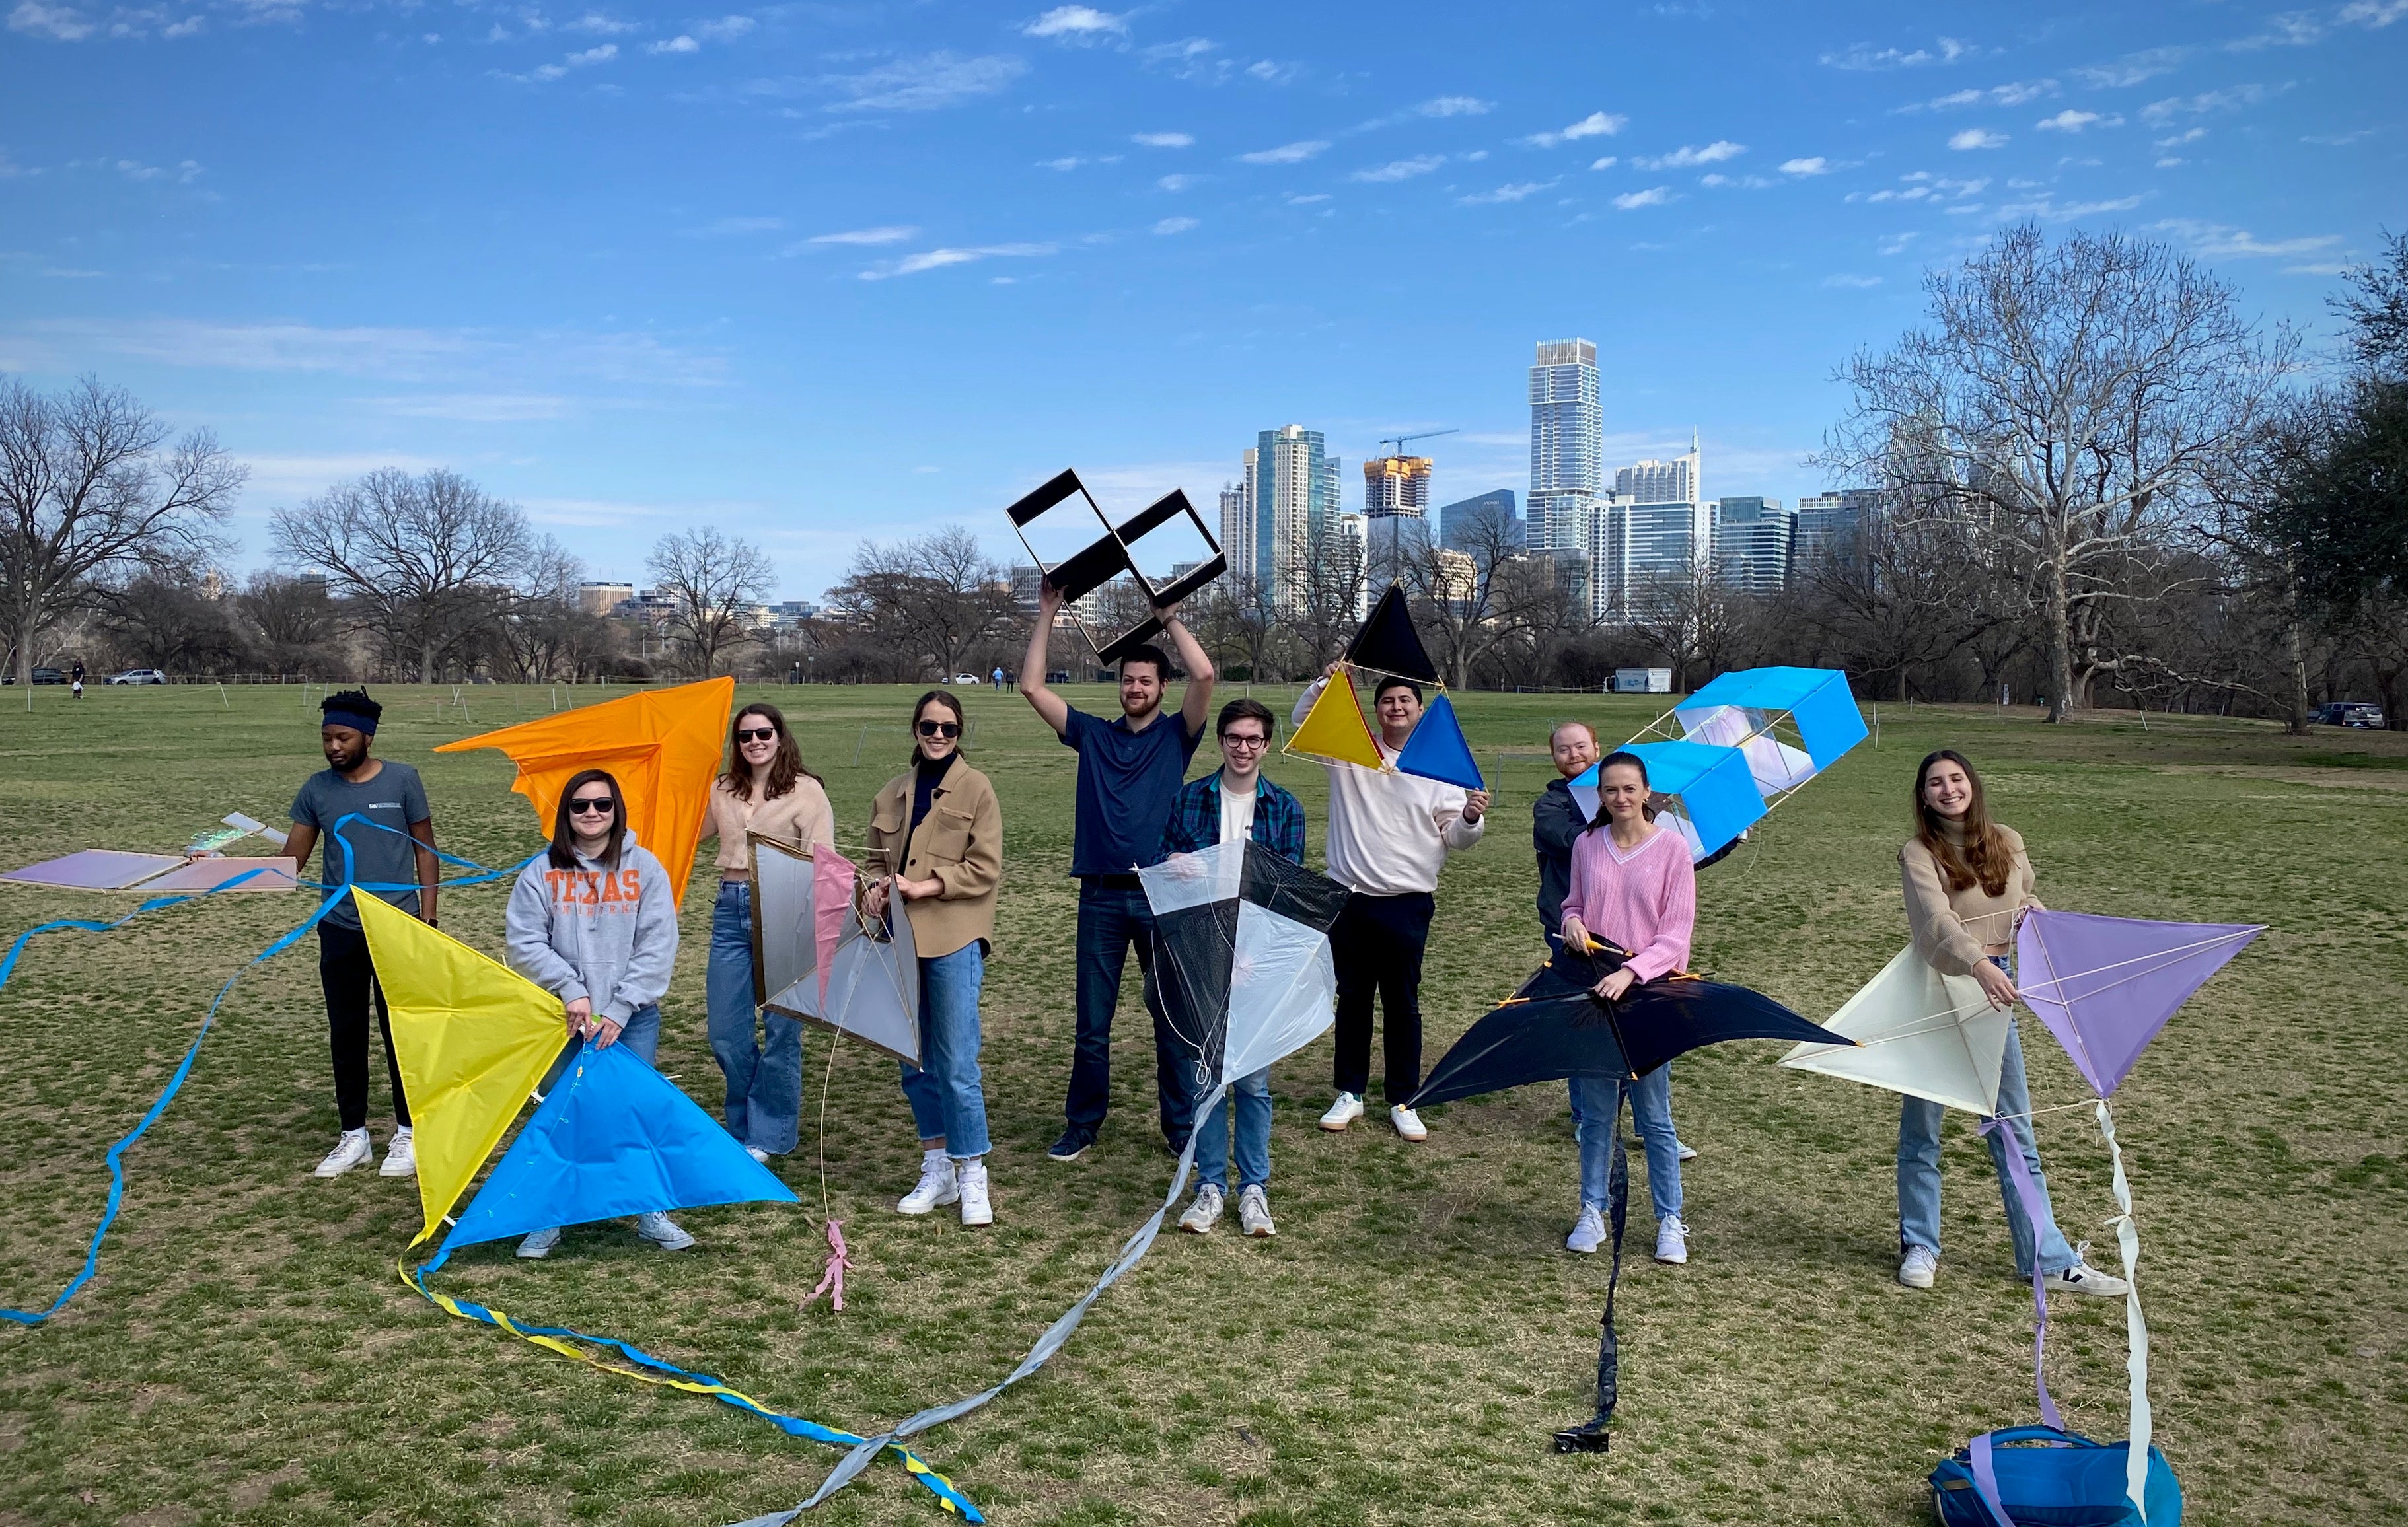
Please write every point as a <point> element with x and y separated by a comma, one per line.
<point>817,957</point>
<point>1792,723</point>
<point>1711,797</point>
<point>664,746</point>
<point>1335,731</point>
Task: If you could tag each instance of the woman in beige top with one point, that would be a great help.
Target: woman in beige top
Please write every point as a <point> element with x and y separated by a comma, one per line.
<point>767,791</point>
<point>1968,884</point>
<point>937,832</point>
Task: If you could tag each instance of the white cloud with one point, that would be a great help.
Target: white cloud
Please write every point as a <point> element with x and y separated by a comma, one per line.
<point>1517,190</point>
<point>1313,200</point>
<point>472,359</point>
<point>2160,113</point>
<point>597,25</point>
<point>895,234</point>
<point>1175,225</point>
<point>2013,93</point>
<point>1852,281</point>
<point>1401,170</point>
<point>1923,186</point>
<point>1067,161</point>
<point>1743,182</point>
<point>1078,24</point>
<point>726,29</point>
<point>60,24</point>
<point>1164,140</point>
<point>478,407</point>
<point>2322,267</point>
<point>2180,138</point>
<point>929,82</point>
<point>1605,163</point>
<point>2219,241</point>
<point>604,54</point>
<point>727,227</point>
<point>1652,196</point>
<point>1865,56</point>
<point>183,173</point>
<point>912,264</point>
<point>1816,165</point>
<point>1596,125</point>
<point>2132,68</point>
<point>2285,28</point>
<point>1286,153</point>
<point>2373,13</point>
<point>1272,71</point>
<point>1468,105</point>
<point>1177,183</point>
<point>1978,138</point>
<point>679,44</point>
<point>1685,157</point>
<point>2044,206</point>
<point>2070,120</point>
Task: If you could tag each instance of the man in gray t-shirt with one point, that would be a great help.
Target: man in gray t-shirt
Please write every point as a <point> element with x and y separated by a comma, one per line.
<point>390,837</point>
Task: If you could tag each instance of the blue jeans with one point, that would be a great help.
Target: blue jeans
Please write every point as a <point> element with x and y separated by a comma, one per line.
<point>641,1034</point>
<point>1252,1097</point>
<point>1111,919</point>
<point>1596,1104</point>
<point>765,1080</point>
<point>1918,1171</point>
<point>947,1095</point>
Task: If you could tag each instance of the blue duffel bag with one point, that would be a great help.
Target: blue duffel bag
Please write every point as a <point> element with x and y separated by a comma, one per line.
<point>2066,1481</point>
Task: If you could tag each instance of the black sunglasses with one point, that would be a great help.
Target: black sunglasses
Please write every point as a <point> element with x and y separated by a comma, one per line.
<point>755,733</point>
<point>940,729</point>
<point>602,803</point>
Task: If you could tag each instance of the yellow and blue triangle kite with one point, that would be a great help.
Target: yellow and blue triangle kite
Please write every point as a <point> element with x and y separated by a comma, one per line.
<point>1334,729</point>
<point>1437,749</point>
<point>473,1038</point>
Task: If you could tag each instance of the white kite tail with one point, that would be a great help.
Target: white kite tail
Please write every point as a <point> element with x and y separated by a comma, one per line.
<point>2136,1328</point>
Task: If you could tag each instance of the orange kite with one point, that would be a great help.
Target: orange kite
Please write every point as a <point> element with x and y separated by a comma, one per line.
<point>665,746</point>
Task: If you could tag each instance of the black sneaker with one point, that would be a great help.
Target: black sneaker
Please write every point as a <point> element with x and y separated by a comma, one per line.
<point>1072,1145</point>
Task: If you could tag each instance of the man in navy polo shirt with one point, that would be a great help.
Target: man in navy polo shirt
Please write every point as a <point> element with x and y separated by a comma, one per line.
<point>1129,769</point>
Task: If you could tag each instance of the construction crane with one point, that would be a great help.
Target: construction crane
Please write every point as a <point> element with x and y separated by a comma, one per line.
<point>1429,435</point>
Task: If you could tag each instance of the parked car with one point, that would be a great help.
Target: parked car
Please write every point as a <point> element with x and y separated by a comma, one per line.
<point>2341,713</point>
<point>967,678</point>
<point>49,676</point>
<point>138,676</point>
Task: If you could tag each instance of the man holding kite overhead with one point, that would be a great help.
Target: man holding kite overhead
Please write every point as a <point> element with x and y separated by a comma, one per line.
<point>1129,768</point>
<point>1236,802</point>
<point>1389,835</point>
<point>386,845</point>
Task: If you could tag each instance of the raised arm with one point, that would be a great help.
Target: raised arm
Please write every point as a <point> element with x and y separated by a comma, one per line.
<point>1051,707</point>
<point>1196,705</point>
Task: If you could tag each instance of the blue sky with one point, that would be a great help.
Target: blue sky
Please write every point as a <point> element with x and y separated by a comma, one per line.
<point>813,272</point>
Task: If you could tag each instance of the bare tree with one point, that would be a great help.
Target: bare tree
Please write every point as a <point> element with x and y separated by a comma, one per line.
<point>2070,400</point>
<point>937,596</point>
<point>712,580</point>
<point>1331,591</point>
<point>1238,625</point>
<point>91,498</point>
<point>294,622</point>
<point>417,557</point>
<point>1471,599</point>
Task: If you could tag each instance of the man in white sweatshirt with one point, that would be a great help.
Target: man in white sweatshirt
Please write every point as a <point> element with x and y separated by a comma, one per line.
<point>1389,833</point>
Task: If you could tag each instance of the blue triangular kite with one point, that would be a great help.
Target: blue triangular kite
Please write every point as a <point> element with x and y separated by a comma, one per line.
<point>1437,751</point>
<point>613,1137</point>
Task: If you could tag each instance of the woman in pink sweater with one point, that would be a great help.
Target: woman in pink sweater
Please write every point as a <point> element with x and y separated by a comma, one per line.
<point>1632,885</point>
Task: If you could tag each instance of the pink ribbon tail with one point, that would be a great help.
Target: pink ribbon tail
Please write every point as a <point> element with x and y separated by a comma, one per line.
<point>832,1281</point>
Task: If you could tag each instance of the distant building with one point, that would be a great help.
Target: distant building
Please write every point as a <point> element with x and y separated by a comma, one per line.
<point>1567,445</point>
<point>1238,522</point>
<point>602,598</point>
<point>1350,555</point>
<point>1830,525</point>
<point>1482,521</point>
<point>1396,485</point>
<point>792,613</point>
<point>1751,544</point>
<point>1292,493</point>
<point>1660,531</point>
<point>1457,582</point>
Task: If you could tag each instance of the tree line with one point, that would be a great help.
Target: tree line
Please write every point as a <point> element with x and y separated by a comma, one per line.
<point>2097,482</point>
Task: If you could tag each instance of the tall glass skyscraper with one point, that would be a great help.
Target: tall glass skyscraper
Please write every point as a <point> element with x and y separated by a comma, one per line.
<point>1567,445</point>
<point>1293,487</point>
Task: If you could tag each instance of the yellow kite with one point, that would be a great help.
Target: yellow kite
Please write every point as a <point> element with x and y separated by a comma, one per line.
<point>473,1038</point>
<point>663,744</point>
<point>1334,729</point>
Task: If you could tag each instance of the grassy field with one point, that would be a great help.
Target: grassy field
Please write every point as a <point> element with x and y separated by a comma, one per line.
<point>1397,1354</point>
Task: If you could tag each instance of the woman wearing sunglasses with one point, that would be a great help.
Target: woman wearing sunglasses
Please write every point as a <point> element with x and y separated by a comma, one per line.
<point>766,790</point>
<point>594,923</point>
<point>936,832</point>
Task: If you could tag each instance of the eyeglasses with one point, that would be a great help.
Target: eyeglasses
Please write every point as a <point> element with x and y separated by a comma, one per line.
<point>600,806</point>
<point>940,729</point>
<point>1249,743</point>
<point>755,733</point>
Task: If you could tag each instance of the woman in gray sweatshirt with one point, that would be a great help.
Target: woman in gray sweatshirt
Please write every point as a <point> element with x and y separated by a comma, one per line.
<point>594,922</point>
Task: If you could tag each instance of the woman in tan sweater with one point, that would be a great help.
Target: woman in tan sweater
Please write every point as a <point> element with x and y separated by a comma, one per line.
<point>767,791</point>
<point>937,832</point>
<point>1968,883</point>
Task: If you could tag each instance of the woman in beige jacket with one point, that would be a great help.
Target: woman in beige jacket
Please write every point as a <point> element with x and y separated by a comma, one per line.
<point>936,834</point>
<point>767,791</point>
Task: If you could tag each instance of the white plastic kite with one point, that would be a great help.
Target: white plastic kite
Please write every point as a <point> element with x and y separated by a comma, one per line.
<point>1920,1033</point>
<point>816,957</point>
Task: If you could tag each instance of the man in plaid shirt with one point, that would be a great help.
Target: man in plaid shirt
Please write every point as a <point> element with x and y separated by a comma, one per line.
<point>1235,801</point>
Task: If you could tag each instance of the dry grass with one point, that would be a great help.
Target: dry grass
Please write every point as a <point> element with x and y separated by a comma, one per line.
<point>1397,1354</point>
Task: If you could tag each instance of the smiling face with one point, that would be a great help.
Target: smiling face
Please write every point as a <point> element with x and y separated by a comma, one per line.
<point>1242,748</point>
<point>591,812</point>
<point>1574,749</point>
<point>756,740</point>
<point>930,727</point>
<point>1623,793</point>
<point>1140,688</point>
<point>1947,789</point>
<point>1401,710</point>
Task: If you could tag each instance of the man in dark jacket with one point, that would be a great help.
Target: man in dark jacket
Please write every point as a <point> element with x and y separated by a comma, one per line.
<point>1556,820</point>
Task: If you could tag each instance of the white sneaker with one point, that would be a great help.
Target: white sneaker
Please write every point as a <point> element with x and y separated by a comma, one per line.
<point>1671,1240</point>
<point>349,1152</point>
<point>1685,1153</point>
<point>757,1154</point>
<point>1203,1214</point>
<point>1409,1123</point>
<point>2084,1278</point>
<point>1588,1230</point>
<point>1342,1113</point>
<point>1254,1211</point>
<point>976,1210</point>
<point>1918,1267</point>
<point>662,1232</point>
<point>539,1245</point>
<point>940,1184</point>
<point>400,1158</point>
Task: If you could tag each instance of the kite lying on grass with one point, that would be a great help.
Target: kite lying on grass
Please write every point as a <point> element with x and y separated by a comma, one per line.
<point>2104,987</point>
<point>1554,1026</point>
<point>612,1137</point>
